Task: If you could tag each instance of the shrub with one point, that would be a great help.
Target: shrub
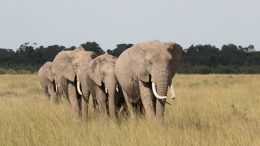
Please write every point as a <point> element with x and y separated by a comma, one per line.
<point>2,71</point>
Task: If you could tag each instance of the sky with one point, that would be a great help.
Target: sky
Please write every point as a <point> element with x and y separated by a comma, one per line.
<point>110,22</point>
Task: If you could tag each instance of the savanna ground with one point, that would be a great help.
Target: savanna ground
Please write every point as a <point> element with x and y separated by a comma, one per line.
<point>210,110</point>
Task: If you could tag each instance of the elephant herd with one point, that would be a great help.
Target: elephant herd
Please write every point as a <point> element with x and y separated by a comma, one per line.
<point>137,81</point>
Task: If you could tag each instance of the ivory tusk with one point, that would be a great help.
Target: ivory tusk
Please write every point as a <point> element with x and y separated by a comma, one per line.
<point>106,90</point>
<point>173,92</point>
<point>155,92</point>
<point>117,90</point>
<point>56,87</point>
<point>121,109</point>
<point>78,87</point>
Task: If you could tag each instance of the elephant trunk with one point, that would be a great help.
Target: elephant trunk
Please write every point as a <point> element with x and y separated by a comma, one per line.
<point>56,87</point>
<point>111,87</point>
<point>57,93</point>
<point>155,92</point>
<point>160,86</point>
<point>83,90</point>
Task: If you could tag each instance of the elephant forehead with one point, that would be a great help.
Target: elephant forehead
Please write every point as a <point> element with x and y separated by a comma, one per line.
<point>158,55</point>
<point>106,57</point>
<point>62,56</point>
<point>151,45</point>
<point>103,60</point>
<point>47,66</point>
<point>108,67</point>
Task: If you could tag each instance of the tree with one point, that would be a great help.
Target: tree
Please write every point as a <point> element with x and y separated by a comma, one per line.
<point>93,46</point>
<point>196,59</point>
<point>120,48</point>
<point>232,55</point>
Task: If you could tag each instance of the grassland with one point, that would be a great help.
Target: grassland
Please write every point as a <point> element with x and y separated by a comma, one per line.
<point>210,110</point>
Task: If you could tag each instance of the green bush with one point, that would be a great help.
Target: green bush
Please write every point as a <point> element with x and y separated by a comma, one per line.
<point>2,71</point>
<point>11,71</point>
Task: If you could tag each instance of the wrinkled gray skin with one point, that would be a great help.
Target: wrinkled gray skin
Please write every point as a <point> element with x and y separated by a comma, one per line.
<point>68,67</point>
<point>142,64</point>
<point>101,75</point>
<point>47,82</point>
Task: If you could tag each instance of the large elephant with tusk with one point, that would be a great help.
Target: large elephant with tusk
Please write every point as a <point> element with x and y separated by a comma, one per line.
<point>68,68</point>
<point>145,71</point>
<point>102,84</point>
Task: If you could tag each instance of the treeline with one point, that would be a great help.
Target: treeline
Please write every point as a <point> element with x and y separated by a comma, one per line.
<point>196,59</point>
<point>229,59</point>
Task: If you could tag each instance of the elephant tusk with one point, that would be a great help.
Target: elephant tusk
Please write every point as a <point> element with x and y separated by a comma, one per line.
<point>56,87</point>
<point>78,87</point>
<point>121,109</point>
<point>155,92</point>
<point>117,90</point>
<point>173,92</point>
<point>106,90</point>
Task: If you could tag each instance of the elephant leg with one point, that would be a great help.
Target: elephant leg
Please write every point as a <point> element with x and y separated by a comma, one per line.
<point>147,100</point>
<point>46,92</point>
<point>101,99</point>
<point>51,90</point>
<point>66,99</point>
<point>63,89</point>
<point>129,105</point>
<point>111,105</point>
<point>160,104</point>
<point>141,107</point>
<point>75,109</point>
<point>95,104</point>
<point>84,104</point>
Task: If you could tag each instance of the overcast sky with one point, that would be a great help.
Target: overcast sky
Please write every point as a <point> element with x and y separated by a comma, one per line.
<point>109,22</point>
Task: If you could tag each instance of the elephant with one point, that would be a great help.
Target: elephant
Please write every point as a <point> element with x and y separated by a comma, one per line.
<point>103,85</point>
<point>145,72</point>
<point>47,81</point>
<point>70,67</point>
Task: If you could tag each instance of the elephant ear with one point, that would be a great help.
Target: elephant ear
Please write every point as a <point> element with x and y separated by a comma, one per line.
<point>47,69</point>
<point>65,69</point>
<point>94,71</point>
<point>176,52</point>
<point>137,61</point>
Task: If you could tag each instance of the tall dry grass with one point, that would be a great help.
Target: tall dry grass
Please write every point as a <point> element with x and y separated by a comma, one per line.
<point>210,110</point>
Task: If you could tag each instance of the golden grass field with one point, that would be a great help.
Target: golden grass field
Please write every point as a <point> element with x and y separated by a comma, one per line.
<point>210,110</point>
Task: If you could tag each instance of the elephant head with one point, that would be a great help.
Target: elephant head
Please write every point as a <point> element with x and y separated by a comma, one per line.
<point>47,71</point>
<point>62,66</point>
<point>47,81</point>
<point>103,74</point>
<point>69,63</point>
<point>156,62</point>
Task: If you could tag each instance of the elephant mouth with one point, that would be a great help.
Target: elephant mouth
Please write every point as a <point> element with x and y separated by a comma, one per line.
<point>106,89</point>
<point>163,97</point>
<point>80,92</point>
